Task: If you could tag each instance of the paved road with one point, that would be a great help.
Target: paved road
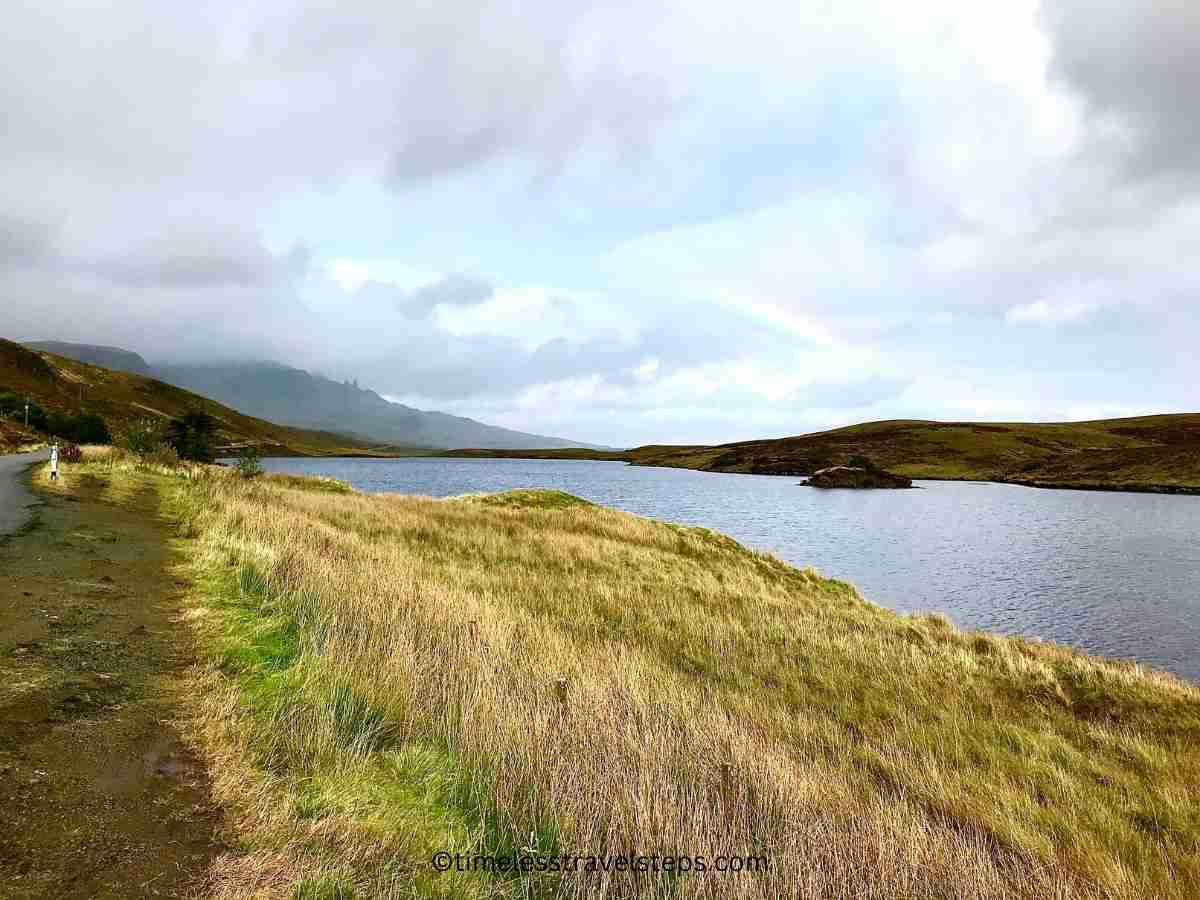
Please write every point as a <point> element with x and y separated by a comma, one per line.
<point>15,498</point>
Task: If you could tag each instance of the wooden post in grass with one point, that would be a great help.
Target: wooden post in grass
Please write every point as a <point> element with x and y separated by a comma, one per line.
<point>726,788</point>
<point>560,690</point>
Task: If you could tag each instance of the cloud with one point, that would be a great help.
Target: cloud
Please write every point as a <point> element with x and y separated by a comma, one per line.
<point>26,240</point>
<point>622,222</point>
<point>1041,312</point>
<point>854,394</point>
<point>461,291</point>
<point>196,259</point>
<point>1134,64</point>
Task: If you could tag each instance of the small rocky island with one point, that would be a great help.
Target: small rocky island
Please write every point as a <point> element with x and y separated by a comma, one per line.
<point>856,477</point>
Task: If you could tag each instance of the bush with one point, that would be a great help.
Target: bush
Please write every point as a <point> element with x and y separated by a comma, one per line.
<point>249,462</point>
<point>191,435</point>
<point>162,455</point>
<point>142,436</point>
<point>12,406</point>
<point>70,453</point>
<point>85,428</point>
<point>92,429</point>
<point>858,461</point>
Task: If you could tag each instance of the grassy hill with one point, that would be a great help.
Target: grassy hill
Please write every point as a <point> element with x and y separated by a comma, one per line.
<point>65,385</point>
<point>1146,453</point>
<point>391,677</point>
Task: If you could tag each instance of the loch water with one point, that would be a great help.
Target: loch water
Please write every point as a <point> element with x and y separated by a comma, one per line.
<point>1113,573</point>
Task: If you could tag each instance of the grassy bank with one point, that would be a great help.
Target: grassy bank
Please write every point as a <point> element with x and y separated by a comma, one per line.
<point>391,676</point>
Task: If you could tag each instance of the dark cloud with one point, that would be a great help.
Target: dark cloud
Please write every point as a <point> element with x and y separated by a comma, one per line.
<point>26,240</point>
<point>462,291</point>
<point>196,260</point>
<point>1136,65</point>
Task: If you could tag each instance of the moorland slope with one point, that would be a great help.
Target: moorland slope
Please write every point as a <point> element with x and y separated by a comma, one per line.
<point>1146,453</point>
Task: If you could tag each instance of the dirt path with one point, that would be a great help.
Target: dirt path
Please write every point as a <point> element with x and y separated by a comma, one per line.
<point>99,796</point>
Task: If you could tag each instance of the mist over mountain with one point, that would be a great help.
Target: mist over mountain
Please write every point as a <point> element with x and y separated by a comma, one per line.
<point>295,397</point>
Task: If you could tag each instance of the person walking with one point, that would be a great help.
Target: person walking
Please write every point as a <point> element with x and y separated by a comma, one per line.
<point>54,462</point>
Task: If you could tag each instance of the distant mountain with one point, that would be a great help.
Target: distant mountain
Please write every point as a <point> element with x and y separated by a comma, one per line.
<point>95,355</point>
<point>300,399</point>
<point>62,384</point>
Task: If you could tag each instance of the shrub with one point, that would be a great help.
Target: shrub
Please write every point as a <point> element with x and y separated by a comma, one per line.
<point>12,406</point>
<point>93,430</point>
<point>249,462</point>
<point>191,435</point>
<point>858,461</point>
<point>142,436</point>
<point>162,455</point>
<point>70,453</point>
<point>10,403</point>
<point>85,428</point>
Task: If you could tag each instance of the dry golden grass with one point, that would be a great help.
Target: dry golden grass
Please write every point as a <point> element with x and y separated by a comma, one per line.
<point>390,676</point>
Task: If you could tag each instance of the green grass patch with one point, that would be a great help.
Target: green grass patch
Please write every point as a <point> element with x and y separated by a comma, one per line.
<point>329,753</point>
<point>527,499</point>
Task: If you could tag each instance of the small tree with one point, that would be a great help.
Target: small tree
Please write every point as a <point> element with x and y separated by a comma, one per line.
<point>858,461</point>
<point>192,435</point>
<point>92,429</point>
<point>142,436</point>
<point>14,407</point>
<point>249,462</point>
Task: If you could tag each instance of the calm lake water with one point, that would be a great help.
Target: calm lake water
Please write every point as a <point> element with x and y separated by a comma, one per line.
<point>1112,573</point>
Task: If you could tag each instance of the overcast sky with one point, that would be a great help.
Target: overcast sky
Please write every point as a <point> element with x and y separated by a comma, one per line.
<point>628,222</point>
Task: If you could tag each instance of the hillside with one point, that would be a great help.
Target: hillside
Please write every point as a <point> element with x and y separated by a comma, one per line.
<point>300,399</point>
<point>96,355</point>
<point>66,385</point>
<point>1145,453</point>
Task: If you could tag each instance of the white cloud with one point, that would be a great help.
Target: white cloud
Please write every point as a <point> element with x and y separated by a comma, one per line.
<point>623,222</point>
<point>1043,313</point>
